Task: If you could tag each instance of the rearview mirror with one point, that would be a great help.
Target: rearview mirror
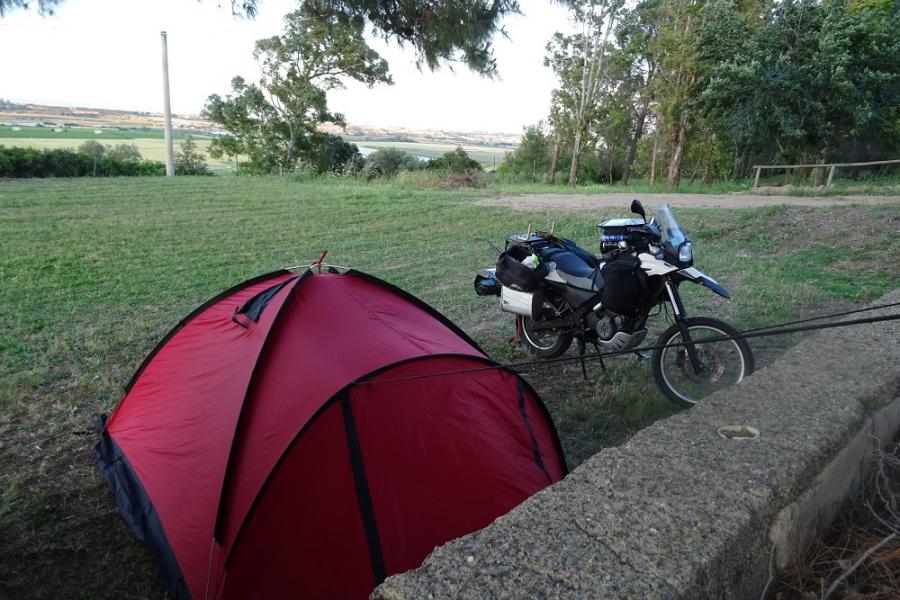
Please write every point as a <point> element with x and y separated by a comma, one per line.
<point>638,208</point>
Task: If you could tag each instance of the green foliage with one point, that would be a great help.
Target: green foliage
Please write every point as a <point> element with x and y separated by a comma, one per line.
<point>332,154</point>
<point>532,157</point>
<point>460,30</point>
<point>439,31</point>
<point>275,123</point>
<point>725,84</point>
<point>30,162</point>
<point>124,152</point>
<point>189,160</point>
<point>92,149</point>
<point>455,161</point>
<point>387,162</point>
<point>815,79</point>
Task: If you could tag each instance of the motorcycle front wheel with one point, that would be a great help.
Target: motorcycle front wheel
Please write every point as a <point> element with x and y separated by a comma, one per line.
<point>723,363</point>
<point>545,343</point>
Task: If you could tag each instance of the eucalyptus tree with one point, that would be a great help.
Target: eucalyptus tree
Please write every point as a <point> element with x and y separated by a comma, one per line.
<point>637,61</point>
<point>584,54</point>
<point>275,122</point>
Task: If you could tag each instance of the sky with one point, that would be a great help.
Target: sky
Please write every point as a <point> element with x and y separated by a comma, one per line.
<point>106,54</point>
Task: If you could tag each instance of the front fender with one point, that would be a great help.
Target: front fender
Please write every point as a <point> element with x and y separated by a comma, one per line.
<point>698,277</point>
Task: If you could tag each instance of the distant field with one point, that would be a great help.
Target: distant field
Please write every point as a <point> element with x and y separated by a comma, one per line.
<point>151,145</point>
<point>488,156</point>
<point>83,133</point>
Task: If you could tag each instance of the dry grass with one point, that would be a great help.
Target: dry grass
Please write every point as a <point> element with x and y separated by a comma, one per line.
<point>859,557</point>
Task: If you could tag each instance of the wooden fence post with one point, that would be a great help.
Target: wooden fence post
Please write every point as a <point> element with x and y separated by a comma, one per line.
<point>830,175</point>
<point>756,181</point>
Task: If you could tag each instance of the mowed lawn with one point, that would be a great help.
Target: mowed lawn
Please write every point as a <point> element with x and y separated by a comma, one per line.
<point>94,272</point>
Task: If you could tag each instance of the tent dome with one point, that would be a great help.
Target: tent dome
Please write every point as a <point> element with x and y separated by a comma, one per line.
<point>310,434</point>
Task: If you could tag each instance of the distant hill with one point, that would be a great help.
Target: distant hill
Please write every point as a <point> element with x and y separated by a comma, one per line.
<point>60,116</point>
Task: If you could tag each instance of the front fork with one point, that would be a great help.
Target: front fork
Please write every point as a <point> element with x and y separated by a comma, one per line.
<point>681,319</point>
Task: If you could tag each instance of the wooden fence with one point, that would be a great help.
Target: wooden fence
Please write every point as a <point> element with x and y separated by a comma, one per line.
<point>831,166</point>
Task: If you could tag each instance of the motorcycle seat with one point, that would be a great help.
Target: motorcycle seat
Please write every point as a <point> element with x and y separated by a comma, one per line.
<point>575,272</point>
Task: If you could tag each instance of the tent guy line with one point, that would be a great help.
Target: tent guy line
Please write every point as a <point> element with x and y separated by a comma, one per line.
<point>770,330</point>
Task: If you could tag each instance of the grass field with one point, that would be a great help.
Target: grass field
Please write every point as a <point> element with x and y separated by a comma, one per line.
<point>84,133</point>
<point>94,271</point>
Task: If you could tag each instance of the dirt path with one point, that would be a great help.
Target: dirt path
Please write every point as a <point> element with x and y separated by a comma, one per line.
<point>620,199</point>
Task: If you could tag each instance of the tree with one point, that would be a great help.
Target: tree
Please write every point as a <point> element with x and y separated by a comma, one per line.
<point>189,160</point>
<point>274,123</point>
<point>811,83</point>
<point>532,157</point>
<point>331,154</point>
<point>456,161</point>
<point>457,30</point>
<point>93,150</point>
<point>124,152</point>
<point>637,68</point>
<point>590,50</point>
<point>387,162</point>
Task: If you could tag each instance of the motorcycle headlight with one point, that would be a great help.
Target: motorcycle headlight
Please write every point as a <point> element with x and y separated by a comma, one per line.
<point>686,252</point>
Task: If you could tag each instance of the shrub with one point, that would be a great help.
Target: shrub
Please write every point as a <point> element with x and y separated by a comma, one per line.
<point>387,162</point>
<point>331,154</point>
<point>31,162</point>
<point>456,162</point>
<point>189,160</point>
<point>124,152</point>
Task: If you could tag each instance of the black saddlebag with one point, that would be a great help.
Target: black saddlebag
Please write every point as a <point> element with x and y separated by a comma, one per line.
<point>512,273</point>
<point>625,288</point>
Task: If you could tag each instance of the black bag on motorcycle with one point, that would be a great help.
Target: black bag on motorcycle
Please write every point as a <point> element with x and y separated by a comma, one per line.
<point>625,288</point>
<point>512,273</point>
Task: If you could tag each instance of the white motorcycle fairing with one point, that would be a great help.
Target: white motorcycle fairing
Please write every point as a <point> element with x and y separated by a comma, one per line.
<point>705,280</point>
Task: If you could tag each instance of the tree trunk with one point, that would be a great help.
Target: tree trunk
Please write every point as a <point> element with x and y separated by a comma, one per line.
<point>633,146</point>
<point>653,158</point>
<point>610,164</point>
<point>677,155</point>
<point>576,158</point>
<point>557,148</point>
<point>820,171</point>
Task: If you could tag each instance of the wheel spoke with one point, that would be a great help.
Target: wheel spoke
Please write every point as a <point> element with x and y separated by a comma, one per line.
<point>721,364</point>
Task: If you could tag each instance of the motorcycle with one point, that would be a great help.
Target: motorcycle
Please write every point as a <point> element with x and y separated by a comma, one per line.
<point>559,291</point>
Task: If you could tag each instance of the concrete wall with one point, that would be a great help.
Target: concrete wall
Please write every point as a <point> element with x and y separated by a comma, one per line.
<point>680,512</point>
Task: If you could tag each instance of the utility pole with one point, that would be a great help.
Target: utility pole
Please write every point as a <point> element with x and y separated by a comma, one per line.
<point>167,109</point>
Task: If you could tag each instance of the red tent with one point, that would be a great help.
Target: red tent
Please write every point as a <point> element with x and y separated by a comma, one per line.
<point>290,437</point>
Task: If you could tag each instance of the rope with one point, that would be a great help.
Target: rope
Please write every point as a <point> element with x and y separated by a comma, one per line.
<point>771,330</point>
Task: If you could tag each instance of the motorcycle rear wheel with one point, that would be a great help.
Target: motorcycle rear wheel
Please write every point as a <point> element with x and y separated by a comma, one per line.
<point>546,343</point>
<point>723,363</point>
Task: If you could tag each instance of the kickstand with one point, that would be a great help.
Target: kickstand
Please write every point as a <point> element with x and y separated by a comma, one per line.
<point>600,357</point>
<point>581,350</point>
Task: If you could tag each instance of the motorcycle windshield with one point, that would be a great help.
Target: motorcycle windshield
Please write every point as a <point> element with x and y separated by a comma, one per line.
<point>670,229</point>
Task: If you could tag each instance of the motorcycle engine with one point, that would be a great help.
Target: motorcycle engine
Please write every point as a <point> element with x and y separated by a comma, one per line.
<point>607,326</point>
